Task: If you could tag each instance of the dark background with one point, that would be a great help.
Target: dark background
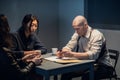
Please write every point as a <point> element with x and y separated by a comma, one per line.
<point>103,12</point>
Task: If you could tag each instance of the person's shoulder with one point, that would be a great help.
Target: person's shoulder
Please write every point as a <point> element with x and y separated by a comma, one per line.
<point>14,35</point>
<point>75,35</point>
<point>97,32</point>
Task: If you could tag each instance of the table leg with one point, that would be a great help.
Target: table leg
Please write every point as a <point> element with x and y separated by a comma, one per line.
<point>91,73</point>
<point>47,77</point>
<point>55,77</point>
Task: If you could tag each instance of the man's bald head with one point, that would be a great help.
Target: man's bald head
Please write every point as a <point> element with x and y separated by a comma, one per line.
<point>79,20</point>
<point>80,25</point>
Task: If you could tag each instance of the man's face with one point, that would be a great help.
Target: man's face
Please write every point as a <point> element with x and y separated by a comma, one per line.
<point>80,29</point>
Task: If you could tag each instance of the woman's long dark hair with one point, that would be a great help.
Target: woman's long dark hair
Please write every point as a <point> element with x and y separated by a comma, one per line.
<point>5,37</point>
<point>28,18</point>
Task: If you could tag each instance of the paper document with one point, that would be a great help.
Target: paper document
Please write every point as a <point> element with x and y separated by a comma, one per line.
<point>62,60</point>
<point>52,58</point>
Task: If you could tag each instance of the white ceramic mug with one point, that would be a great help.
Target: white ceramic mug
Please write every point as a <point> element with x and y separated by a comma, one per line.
<point>54,50</point>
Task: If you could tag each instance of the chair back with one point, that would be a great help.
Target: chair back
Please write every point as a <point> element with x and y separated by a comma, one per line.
<point>114,55</point>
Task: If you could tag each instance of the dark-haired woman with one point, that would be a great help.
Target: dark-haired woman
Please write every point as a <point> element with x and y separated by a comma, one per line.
<point>25,39</point>
<point>9,65</point>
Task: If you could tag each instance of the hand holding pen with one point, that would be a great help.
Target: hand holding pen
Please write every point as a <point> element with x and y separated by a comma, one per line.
<point>59,54</point>
<point>63,53</point>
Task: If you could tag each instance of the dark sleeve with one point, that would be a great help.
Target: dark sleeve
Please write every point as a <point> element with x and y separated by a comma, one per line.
<point>16,48</point>
<point>20,72</point>
<point>39,45</point>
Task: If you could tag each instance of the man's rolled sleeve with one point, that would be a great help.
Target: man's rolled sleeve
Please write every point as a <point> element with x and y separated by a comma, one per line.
<point>72,43</point>
<point>93,55</point>
<point>96,46</point>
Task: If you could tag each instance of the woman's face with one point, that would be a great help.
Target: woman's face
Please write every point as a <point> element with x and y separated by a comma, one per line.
<point>34,26</point>
<point>31,27</point>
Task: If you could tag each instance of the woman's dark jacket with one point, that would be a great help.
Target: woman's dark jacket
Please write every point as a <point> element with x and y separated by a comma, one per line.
<point>21,43</point>
<point>10,69</point>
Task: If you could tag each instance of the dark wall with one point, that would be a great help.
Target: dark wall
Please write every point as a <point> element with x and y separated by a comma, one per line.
<point>68,9</point>
<point>104,12</point>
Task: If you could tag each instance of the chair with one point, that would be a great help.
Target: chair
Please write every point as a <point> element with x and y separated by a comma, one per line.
<point>114,55</point>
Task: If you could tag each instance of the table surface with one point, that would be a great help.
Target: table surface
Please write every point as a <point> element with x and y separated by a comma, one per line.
<point>54,67</point>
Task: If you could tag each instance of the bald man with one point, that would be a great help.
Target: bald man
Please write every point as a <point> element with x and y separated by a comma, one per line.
<point>87,43</point>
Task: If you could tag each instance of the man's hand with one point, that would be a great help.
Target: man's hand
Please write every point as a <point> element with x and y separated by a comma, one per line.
<point>59,54</point>
<point>64,53</point>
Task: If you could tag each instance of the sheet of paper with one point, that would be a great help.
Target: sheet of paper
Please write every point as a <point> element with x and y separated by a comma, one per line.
<point>62,60</point>
<point>68,58</point>
<point>52,58</point>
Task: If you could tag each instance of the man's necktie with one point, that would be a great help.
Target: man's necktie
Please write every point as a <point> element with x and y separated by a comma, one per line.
<point>77,47</point>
